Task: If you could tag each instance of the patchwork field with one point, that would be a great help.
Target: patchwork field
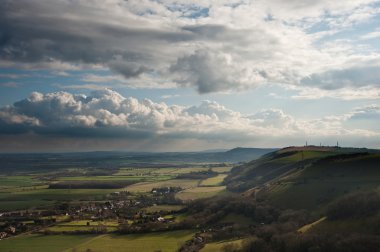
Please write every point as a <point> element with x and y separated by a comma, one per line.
<point>200,192</point>
<point>219,246</point>
<point>162,241</point>
<point>43,243</point>
<point>46,197</point>
<point>223,169</point>
<point>214,181</point>
<point>83,225</point>
<point>148,186</point>
<point>158,208</point>
<point>17,181</point>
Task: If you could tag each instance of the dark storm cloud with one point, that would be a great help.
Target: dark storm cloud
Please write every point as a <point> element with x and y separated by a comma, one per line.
<point>128,70</point>
<point>38,31</point>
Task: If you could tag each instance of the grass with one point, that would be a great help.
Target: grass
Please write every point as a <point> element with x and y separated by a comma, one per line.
<point>17,181</point>
<point>305,155</point>
<point>189,170</point>
<point>314,187</point>
<point>200,192</point>
<point>161,241</point>
<point>307,227</point>
<point>46,197</point>
<point>109,223</point>
<point>56,194</point>
<point>42,243</point>
<point>23,204</point>
<point>313,194</point>
<point>214,181</point>
<point>367,225</point>
<point>60,228</point>
<point>154,172</point>
<point>145,171</point>
<point>218,246</point>
<point>148,186</point>
<point>158,208</point>
<point>134,171</point>
<point>115,178</point>
<point>224,169</point>
<point>81,225</point>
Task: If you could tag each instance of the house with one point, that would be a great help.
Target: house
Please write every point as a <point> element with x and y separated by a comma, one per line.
<point>3,235</point>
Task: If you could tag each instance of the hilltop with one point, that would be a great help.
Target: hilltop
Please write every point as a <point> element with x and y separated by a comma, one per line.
<point>307,177</point>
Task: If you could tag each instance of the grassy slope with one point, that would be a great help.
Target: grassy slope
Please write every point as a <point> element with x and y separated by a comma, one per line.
<point>218,246</point>
<point>41,243</point>
<point>326,180</point>
<point>214,181</point>
<point>362,226</point>
<point>200,192</point>
<point>163,241</point>
<point>308,177</point>
<point>270,167</point>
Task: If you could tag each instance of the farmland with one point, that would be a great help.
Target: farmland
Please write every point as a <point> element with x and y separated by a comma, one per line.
<point>93,208</point>
<point>200,192</point>
<point>165,241</point>
<point>42,243</point>
<point>187,206</point>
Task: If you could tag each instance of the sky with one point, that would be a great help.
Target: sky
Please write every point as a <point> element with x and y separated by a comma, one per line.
<point>166,75</point>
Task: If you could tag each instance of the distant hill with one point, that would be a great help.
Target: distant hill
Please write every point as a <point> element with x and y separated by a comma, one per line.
<point>307,177</point>
<point>245,154</point>
<point>112,159</point>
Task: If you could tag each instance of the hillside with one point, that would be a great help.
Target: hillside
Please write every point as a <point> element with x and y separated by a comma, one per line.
<point>306,177</point>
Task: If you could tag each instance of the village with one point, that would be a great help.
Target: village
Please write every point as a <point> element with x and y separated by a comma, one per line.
<point>126,209</point>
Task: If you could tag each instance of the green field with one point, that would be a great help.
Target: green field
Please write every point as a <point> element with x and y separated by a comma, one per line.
<point>109,223</point>
<point>81,225</point>
<point>157,172</point>
<point>148,186</point>
<point>200,192</point>
<point>42,243</point>
<point>56,194</point>
<point>218,246</point>
<point>115,178</point>
<point>189,169</point>
<point>17,181</point>
<point>214,181</point>
<point>23,204</point>
<point>162,241</point>
<point>158,208</point>
<point>60,228</point>
<point>223,169</point>
<point>46,197</point>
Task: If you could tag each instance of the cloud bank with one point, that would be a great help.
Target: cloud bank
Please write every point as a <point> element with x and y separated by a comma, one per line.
<point>105,114</point>
<point>211,46</point>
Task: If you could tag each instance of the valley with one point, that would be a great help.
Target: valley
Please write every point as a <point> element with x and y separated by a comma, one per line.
<point>100,203</point>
